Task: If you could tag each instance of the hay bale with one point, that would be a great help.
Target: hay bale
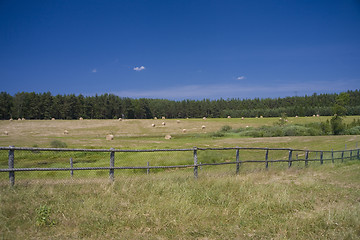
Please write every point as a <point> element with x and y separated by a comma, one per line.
<point>153,125</point>
<point>163,123</point>
<point>167,137</point>
<point>163,118</point>
<point>242,118</point>
<point>228,116</point>
<point>203,127</point>
<point>184,130</point>
<point>10,119</point>
<point>6,133</point>
<point>178,121</point>
<point>66,132</point>
<point>52,119</point>
<point>261,116</point>
<point>23,119</point>
<point>19,119</point>
<point>204,118</point>
<point>155,118</point>
<point>120,119</point>
<point>81,118</point>
<point>109,137</point>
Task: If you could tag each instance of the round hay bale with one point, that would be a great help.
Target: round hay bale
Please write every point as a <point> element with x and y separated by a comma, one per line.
<point>228,116</point>
<point>19,119</point>
<point>109,137</point>
<point>203,127</point>
<point>153,125</point>
<point>155,118</point>
<point>261,116</point>
<point>204,118</point>
<point>163,123</point>
<point>81,118</point>
<point>6,133</point>
<point>163,118</point>
<point>66,132</point>
<point>10,119</point>
<point>178,121</point>
<point>52,119</point>
<point>23,119</point>
<point>184,130</point>
<point>242,118</point>
<point>168,137</point>
<point>120,119</point>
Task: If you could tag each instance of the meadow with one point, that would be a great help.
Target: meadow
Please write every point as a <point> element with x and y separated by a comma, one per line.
<point>315,202</point>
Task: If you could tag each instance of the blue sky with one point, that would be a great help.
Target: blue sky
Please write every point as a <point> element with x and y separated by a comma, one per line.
<point>180,49</point>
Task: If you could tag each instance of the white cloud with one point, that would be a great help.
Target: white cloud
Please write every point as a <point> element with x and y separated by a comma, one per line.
<point>138,69</point>
<point>94,70</point>
<point>240,78</point>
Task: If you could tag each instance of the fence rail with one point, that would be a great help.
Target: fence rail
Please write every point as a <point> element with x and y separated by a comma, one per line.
<point>290,158</point>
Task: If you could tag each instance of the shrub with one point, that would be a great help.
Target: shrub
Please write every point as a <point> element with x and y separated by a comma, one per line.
<point>337,125</point>
<point>58,144</point>
<point>217,134</point>
<point>296,130</point>
<point>226,128</point>
<point>353,131</point>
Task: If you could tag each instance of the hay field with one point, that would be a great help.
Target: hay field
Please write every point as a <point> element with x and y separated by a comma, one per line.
<point>139,133</point>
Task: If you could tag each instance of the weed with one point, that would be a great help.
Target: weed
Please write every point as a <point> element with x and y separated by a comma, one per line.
<point>43,216</point>
<point>58,144</point>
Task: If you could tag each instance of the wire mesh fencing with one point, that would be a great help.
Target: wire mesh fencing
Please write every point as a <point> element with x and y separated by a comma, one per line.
<point>56,163</point>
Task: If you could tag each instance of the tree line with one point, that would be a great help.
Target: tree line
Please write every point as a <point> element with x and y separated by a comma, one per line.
<point>31,105</point>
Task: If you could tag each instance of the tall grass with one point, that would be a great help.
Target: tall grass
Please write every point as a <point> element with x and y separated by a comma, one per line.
<point>313,203</point>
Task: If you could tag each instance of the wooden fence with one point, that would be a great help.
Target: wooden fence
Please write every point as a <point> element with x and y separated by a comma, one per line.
<point>333,156</point>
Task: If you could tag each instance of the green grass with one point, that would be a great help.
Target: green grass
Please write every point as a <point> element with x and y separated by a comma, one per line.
<point>321,202</point>
<point>317,202</point>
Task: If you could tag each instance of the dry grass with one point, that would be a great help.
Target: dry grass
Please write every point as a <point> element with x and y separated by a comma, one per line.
<point>319,202</point>
<point>313,203</point>
<point>140,134</point>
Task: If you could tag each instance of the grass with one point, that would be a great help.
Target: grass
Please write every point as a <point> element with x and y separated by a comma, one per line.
<point>317,202</point>
<point>313,203</point>
<point>131,133</point>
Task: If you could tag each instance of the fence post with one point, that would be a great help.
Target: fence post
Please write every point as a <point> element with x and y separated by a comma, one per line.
<point>342,156</point>
<point>321,157</point>
<point>11,165</point>
<point>112,164</point>
<point>237,162</point>
<point>290,158</point>
<point>332,155</point>
<point>306,158</point>
<point>266,159</point>
<point>148,169</point>
<point>71,166</point>
<point>358,157</point>
<point>350,154</point>
<point>195,163</point>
